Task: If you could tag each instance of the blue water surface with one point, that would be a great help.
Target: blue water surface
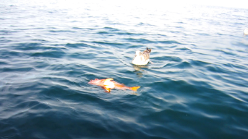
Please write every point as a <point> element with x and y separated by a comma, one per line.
<point>196,87</point>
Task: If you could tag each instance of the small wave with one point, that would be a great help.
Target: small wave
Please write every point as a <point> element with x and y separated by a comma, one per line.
<point>9,54</point>
<point>103,32</point>
<point>139,40</point>
<point>108,43</point>
<point>77,45</point>
<point>129,33</point>
<point>111,29</point>
<point>15,69</point>
<point>29,46</point>
<point>169,42</point>
<point>52,54</point>
<point>216,69</point>
<point>226,52</point>
<point>61,31</point>
<point>167,58</point>
<point>23,109</point>
<point>198,63</point>
<point>183,65</point>
<point>3,63</point>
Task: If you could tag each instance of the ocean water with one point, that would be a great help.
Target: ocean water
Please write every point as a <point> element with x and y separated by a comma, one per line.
<point>196,86</point>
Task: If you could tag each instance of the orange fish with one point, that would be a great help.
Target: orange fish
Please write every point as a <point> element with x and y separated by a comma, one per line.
<point>109,84</point>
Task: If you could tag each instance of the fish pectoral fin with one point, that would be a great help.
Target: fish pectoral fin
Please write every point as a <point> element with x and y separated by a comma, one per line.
<point>106,89</point>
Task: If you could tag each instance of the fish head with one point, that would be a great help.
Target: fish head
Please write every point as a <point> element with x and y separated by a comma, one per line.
<point>95,82</point>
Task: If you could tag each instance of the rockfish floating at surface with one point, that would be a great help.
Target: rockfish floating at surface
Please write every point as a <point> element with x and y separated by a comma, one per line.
<point>108,84</point>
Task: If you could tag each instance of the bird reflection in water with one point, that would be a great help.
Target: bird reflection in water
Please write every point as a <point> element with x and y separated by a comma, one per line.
<point>139,69</point>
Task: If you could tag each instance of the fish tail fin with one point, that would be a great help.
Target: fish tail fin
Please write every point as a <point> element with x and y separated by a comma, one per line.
<point>135,88</point>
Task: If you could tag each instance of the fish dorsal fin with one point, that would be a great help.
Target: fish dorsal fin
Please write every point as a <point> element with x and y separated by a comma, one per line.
<point>109,79</point>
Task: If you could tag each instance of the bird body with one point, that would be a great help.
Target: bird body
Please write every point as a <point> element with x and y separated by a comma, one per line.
<point>142,58</point>
<point>245,31</point>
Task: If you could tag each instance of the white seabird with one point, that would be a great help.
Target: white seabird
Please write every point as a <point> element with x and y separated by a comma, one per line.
<point>142,58</point>
<point>246,32</point>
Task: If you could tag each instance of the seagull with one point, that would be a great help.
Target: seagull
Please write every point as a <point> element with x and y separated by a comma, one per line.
<point>142,58</point>
<point>246,32</point>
